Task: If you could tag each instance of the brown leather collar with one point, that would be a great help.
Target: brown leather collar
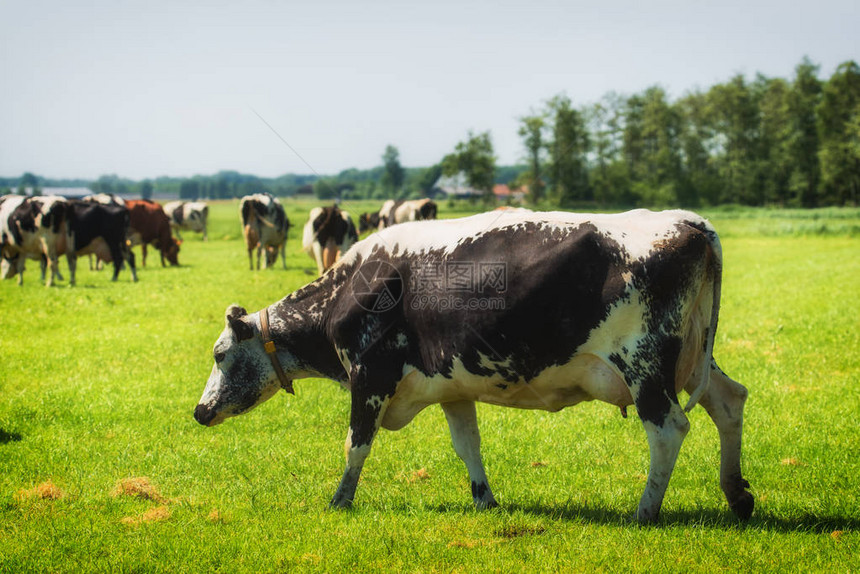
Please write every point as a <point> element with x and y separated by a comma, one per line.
<point>269,345</point>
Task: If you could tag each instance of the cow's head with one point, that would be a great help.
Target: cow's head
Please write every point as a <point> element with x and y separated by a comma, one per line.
<point>271,255</point>
<point>243,375</point>
<point>172,251</point>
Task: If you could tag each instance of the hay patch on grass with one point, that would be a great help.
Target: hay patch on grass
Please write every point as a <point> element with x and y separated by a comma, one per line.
<point>44,491</point>
<point>137,487</point>
<point>215,516</point>
<point>414,476</point>
<point>157,514</point>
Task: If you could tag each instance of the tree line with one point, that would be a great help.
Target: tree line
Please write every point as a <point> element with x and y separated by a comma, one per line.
<point>765,141</point>
<point>769,141</point>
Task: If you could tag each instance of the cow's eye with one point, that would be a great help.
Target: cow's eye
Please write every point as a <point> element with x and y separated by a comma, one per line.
<point>219,357</point>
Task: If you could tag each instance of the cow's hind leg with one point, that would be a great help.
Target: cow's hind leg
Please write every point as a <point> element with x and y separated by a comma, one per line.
<point>666,426</point>
<point>724,400</point>
<point>365,417</point>
<point>463,423</point>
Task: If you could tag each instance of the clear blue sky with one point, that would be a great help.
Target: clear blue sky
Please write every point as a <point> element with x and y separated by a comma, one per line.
<point>158,87</point>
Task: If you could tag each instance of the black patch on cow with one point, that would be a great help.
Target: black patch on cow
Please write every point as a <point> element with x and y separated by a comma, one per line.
<point>87,221</point>
<point>23,219</point>
<point>179,214</point>
<point>427,211</point>
<point>247,210</point>
<point>332,226</point>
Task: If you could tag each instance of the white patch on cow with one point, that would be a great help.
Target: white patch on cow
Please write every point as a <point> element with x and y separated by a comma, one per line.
<point>343,356</point>
<point>637,234</point>
<point>488,363</point>
<point>585,377</point>
<point>375,401</point>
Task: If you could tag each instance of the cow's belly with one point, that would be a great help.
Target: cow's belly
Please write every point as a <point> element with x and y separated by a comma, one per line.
<point>585,377</point>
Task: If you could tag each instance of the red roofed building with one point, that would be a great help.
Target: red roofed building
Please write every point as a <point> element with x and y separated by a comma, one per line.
<point>505,194</point>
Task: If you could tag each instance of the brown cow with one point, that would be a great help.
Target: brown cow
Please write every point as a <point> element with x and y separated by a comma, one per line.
<point>150,225</point>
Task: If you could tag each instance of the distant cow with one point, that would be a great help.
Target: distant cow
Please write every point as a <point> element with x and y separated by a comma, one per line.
<point>393,212</point>
<point>265,227</point>
<point>188,216</point>
<point>327,235</point>
<point>150,226</point>
<point>98,229</point>
<point>31,227</point>
<point>399,211</point>
<point>528,310</point>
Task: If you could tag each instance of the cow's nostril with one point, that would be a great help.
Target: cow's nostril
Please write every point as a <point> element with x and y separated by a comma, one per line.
<point>203,414</point>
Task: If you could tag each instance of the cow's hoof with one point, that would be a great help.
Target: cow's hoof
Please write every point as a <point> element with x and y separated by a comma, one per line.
<point>647,517</point>
<point>486,504</point>
<point>742,505</point>
<point>340,504</point>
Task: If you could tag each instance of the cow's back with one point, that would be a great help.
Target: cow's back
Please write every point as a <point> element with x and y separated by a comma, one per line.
<point>532,288</point>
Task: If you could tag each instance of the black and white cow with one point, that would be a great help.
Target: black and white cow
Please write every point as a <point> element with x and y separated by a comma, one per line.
<point>619,308</point>
<point>327,235</point>
<point>188,216</point>
<point>394,212</point>
<point>104,199</point>
<point>265,226</point>
<point>31,227</point>
<point>99,229</point>
<point>397,211</point>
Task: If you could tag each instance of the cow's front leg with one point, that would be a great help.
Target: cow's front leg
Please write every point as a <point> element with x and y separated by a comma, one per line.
<point>365,417</point>
<point>463,424</point>
<point>665,435</point>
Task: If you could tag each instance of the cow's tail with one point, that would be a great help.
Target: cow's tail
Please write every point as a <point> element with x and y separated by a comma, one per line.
<point>715,272</point>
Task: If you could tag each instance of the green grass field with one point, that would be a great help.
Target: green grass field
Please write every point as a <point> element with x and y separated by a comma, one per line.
<point>103,468</point>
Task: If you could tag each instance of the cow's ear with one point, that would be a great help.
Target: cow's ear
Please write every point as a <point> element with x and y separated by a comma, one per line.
<point>235,312</point>
<point>242,330</point>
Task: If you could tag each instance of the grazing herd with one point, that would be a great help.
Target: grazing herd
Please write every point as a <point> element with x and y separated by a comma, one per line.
<point>534,310</point>
<point>106,226</point>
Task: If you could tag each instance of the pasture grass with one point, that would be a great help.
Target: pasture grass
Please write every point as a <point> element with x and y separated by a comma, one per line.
<point>102,467</point>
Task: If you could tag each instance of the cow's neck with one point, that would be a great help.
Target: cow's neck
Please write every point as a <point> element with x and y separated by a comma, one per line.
<point>298,325</point>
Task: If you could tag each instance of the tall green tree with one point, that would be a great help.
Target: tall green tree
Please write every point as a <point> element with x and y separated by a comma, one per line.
<point>429,178</point>
<point>145,188</point>
<point>476,159</point>
<point>802,104</point>
<point>735,116</point>
<point>568,149</point>
<point>532,131</point>
<point>658,171</point>
<point>697,139</point>
<point>608,175</point>
<point>393,174</point>
<point>776,135</point>
<point>839,128</point>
